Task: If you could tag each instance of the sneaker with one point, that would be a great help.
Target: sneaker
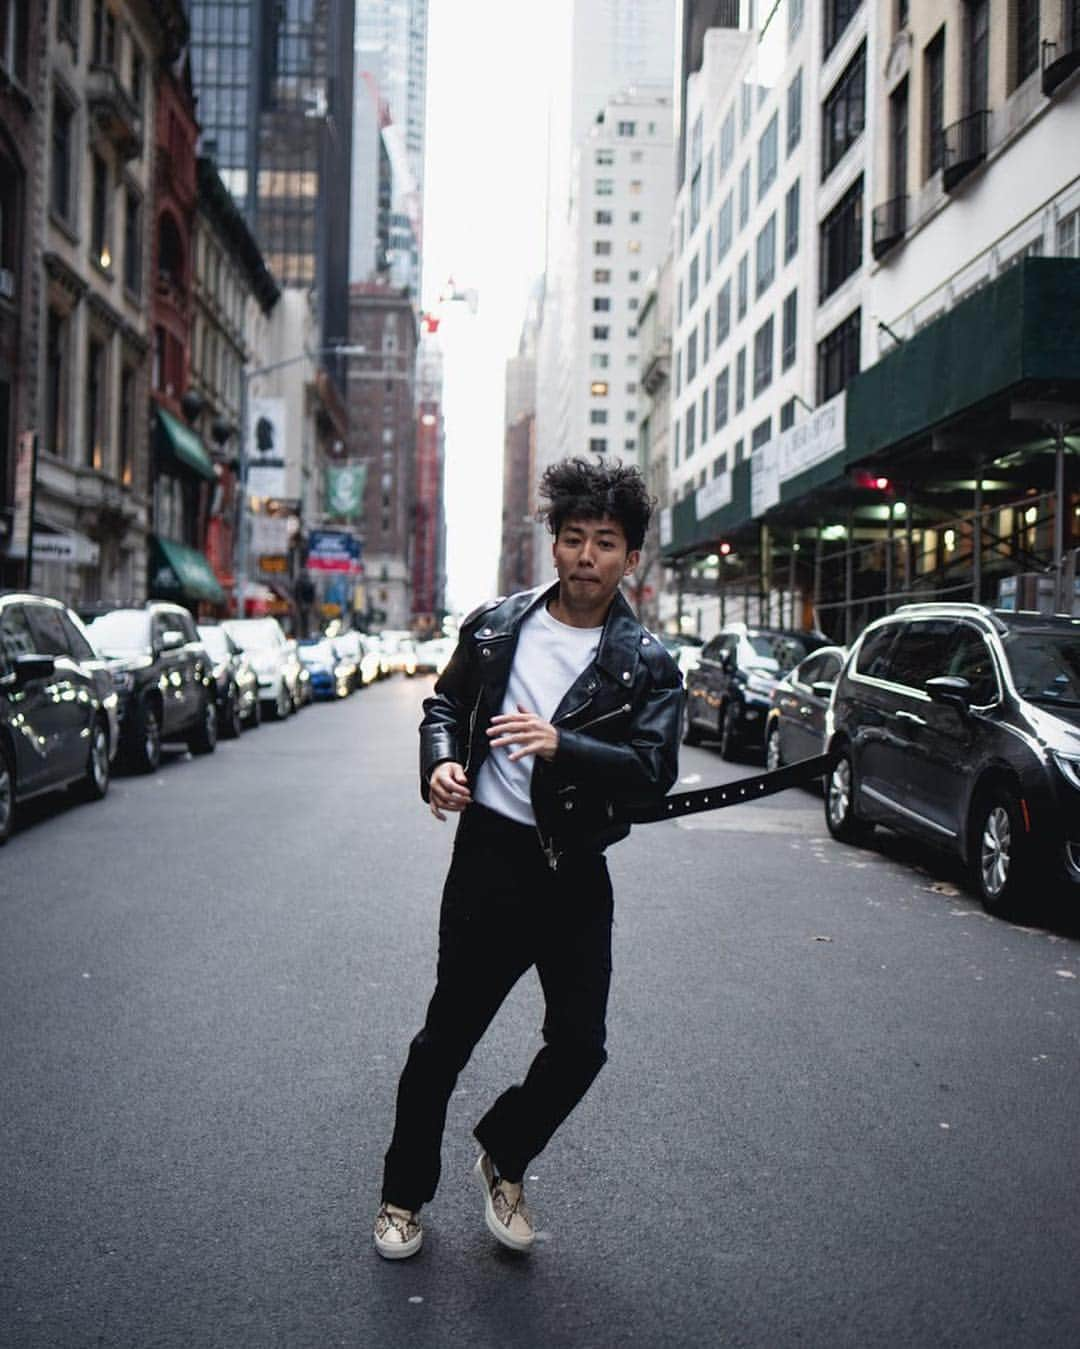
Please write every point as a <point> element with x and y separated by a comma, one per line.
<point>398,1233</point>
<point>507,1217</point>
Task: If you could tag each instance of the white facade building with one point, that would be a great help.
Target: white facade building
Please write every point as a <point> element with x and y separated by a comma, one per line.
<point>772,252</point>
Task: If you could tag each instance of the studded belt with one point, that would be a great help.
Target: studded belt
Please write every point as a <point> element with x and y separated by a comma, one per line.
<point>728,793</point>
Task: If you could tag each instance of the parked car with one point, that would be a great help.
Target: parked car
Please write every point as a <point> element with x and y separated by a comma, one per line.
<point>329,671</point>
<point>433,656</point>
<point>729,693</point>
<point>683,649</point>
<point>58,716</point>
<point>164,678</point>
<point>795,723</point>
<point>364,652</point>
<point>960,725</point>
<point>274,659</point>
<point>400,650</point>
<point>235,678</point>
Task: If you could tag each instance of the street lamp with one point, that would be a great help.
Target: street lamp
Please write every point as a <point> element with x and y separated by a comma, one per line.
<point>246,376</point>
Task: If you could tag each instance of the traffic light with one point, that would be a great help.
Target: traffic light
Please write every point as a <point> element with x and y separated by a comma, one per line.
<point>869,481</point>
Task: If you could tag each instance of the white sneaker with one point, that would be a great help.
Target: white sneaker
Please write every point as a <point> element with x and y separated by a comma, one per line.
<point>398,1233</point>
<point>508,1220</point>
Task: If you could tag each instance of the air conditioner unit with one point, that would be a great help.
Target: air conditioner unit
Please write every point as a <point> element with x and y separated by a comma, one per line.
<point>7,284</point>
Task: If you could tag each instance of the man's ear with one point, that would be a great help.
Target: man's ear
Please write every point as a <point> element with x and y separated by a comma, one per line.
<point>633,557</point>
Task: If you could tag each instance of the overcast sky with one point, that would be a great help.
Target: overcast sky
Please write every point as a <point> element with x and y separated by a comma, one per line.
<point>489,68</point>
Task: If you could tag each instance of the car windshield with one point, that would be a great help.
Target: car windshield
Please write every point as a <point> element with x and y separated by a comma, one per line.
<point>1046,666</point>
<point>121,631</point>
<point>779,651</point>
<point>215,642</point>
<point>317,651</point>
<point>254,634</point>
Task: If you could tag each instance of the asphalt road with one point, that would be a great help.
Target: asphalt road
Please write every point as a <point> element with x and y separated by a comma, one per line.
<point>842,1105</point>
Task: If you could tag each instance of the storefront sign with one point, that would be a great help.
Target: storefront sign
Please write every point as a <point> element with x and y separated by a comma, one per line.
<point>269,534</point>
<point>665,527</point>
<point>715,494</point>
<point>345,490</point>
<point>764,478</point>
<point>65,548</point>
<point>273,564</point>
<point>25,459</point>
<point>333,550</point>
<point>813,441</point>
<point>266,448</point>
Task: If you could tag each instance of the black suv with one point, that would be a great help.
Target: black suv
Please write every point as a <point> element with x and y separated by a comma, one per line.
<point>164,677</point>
<point>730,691</point>
<point>961,725</point>
<point>58,719</point>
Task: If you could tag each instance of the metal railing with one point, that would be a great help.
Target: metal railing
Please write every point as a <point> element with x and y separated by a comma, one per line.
<point>1061,58</point>
<point>964,147</point>
<point>888,225</point>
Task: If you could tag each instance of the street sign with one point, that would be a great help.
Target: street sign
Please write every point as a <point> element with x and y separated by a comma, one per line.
<point>333,550</point>
<point>345,490</point>
<point>25,457</point>
<point>273,564</point>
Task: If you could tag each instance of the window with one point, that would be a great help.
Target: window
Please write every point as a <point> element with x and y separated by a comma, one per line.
<point>838,357</point>
<point>601,333</point>
<point>723,312</point>
<point>678,440</point>
<point>898,140</point>
<point>787,415</point>
<point>1068,235</point>
<point>601,276</point>
<point>841,240</point>
<point>977,55</point>
<point>843,114</point>
<point>604,187</point>
<point>725,231</point>
<point>794,112</point>
<point>693,285</point>
<point>838,14</point>
<point>597,446</point>
<point>761,434</point>
<point>603,218</point>
<point>744,285</point>
<point>138,76</point>
<point>636,186</point>
<point>56,383</point>
<point>740,380</point>
<point>921,653</point>
<point>768,154</point>
<point>635,217</point>
<point>633,276</point>
<point>691,421</point>
<point>719,465</point>
<point>604,157</point>
<point>970,659</point>
<point>721,397</point>
<point>626,128</point>
<point>791,221</point>
<point>14,47</point>
<point>132,242</point>
<point>691,356</point>
<point>95,405</point>
<point>601,304</point>
<point>737,454</point>
<point>789,330</point>
<point>599,360</point>
<point>99,213</point>
<point>602,248</point>
<point>763,357</point>
<point>706,325</point>
<point>706,253</point>
<point>67,24</point>
<point>710,176</point>
<point>678,373</point>
<point>61,192</point>
<point>766,257</point>
<point>598,416</point>
<point>934,84</point>
<point>598,388</point>
<point>127,426</point>
<point>727,141</point>
<point>746,106</point>
<point>1025,17</point>
<point>630,416</point>
<point>795,18</point>
<point>744,194</point>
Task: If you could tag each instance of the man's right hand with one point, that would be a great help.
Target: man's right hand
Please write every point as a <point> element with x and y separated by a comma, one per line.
<point>448,789</point>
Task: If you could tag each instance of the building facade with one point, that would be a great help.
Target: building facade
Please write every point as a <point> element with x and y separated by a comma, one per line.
<point>94,472</point>
<point>654,437</point>
<point>429,534</point>
<point>382,409</point>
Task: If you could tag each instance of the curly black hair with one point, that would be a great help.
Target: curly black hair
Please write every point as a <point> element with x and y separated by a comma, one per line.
<point>577,489</point>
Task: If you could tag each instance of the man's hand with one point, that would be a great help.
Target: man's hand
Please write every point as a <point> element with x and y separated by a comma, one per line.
<point>528,731</point>
<point>448,788</point>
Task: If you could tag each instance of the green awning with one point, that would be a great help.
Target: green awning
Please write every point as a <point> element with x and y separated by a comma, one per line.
<point>185,445</point>
<point>180,573</point>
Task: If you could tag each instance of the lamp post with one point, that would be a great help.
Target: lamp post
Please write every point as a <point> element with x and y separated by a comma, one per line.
<point>241,569</point>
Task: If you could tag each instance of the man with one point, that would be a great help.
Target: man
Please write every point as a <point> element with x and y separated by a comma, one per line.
<point>556,706</point>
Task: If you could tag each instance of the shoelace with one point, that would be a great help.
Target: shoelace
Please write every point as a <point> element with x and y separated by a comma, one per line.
<point>399,1223</point>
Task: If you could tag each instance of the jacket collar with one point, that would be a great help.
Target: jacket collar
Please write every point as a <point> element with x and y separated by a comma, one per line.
<point>620,641</point>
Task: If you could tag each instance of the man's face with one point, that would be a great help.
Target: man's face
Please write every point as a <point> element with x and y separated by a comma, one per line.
<point>591,557</point>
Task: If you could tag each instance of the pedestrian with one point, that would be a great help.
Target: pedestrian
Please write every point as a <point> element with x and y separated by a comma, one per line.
<point>556,706</point>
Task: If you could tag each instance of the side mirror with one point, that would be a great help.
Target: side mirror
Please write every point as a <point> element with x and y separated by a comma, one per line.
<point>27,668</point>
<point>821,688</point>
<point>950,691</point>
<point>172,639</point>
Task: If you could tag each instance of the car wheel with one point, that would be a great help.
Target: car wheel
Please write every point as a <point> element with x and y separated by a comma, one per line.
<point>283,703</point>
<point>729,732</point>
<point>1001,859</point>
<point>840,817</point>
<point>7,796</point>
<point>773,758</point>
<point>690,734</point>
<point>204,738</point>
<point>230,725</point>
<point>255,715</point>
<point>147,753</point>
<point>95,783</point>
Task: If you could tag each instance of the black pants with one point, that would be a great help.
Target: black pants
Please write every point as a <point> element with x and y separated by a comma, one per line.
<point>504,910</point>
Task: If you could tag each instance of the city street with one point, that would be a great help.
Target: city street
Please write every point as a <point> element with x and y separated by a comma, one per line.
<point>840,1108</point>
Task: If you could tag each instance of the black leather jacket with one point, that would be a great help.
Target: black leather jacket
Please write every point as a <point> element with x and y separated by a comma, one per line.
<point>618,723</point>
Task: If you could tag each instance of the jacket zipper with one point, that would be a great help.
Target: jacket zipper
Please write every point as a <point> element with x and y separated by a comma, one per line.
<point>472,728</point>
<point>618,712</point>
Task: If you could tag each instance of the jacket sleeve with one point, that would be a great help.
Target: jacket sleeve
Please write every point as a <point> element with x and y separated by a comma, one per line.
<point>646,763</point>
<point>444,726</point>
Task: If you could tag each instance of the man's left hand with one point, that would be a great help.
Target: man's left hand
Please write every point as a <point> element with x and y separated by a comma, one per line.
<point>527,731</point>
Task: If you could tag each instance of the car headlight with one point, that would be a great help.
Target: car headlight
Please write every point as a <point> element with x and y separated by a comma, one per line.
<point>1069,766</point>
